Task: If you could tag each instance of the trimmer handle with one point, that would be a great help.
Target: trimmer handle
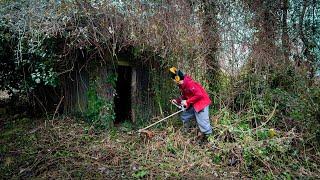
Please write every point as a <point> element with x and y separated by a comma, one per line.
<point>183,108</point>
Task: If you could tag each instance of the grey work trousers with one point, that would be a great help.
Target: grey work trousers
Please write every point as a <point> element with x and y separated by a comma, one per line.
<point>202,118</point>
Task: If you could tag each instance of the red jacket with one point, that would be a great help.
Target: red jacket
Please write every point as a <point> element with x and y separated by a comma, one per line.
<point>194,93</point>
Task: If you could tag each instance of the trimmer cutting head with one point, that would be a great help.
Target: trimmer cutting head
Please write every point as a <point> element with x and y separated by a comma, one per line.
<point>146,133</point>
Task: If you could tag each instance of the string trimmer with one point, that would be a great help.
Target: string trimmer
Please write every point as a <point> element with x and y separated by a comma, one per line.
<point>181,107</point>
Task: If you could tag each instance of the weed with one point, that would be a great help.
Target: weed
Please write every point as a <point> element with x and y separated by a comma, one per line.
<point>140,173</point>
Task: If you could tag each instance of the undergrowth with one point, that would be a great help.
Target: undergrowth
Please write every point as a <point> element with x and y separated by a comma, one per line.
<point>66,148</point>
<point>266,129</point>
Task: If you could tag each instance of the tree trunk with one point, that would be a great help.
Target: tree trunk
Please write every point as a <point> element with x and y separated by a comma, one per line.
<point>307,44</point>
<point>211,36</point>
<point>263,57</point>
<point>285,35</point>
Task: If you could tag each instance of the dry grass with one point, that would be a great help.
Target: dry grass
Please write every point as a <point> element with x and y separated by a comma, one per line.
<point>69,149</point>
<point>66,148</point>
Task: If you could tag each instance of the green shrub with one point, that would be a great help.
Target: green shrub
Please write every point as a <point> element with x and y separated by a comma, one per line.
<point>100,112</point>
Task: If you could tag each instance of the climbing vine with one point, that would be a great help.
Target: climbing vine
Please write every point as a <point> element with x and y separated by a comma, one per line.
<point>100,112</point>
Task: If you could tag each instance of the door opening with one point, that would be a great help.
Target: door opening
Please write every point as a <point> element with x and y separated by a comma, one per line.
<point>123,97</point>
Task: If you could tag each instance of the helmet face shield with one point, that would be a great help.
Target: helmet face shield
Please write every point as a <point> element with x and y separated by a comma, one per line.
<point>173,76</point>
<point>180,74</point>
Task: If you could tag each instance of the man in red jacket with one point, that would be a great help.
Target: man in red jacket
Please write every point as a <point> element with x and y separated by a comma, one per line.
<point>195,99</point>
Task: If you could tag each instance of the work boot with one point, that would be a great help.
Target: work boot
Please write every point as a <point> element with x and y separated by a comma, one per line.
<point>201,139</point>
<point>204,138</point>
<point>186,127</point>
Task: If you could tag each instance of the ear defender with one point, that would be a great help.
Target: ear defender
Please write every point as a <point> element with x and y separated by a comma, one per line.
<point>177,78</point>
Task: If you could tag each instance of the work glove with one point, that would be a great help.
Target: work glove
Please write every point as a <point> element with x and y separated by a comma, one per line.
<point>184,103</point>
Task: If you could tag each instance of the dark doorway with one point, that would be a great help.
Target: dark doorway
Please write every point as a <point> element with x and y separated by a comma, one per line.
<point>123,98</point>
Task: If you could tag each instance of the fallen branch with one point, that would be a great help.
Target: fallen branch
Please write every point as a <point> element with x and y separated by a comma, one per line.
<point>268,119</point>
<point>55,112</point>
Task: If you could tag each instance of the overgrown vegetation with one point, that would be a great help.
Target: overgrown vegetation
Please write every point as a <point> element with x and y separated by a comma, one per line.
<point>100,111</point>
<point>259,61</point>
<point>65,148</point>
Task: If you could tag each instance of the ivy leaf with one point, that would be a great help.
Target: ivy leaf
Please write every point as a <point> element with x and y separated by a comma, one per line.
<point>37,80</point>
